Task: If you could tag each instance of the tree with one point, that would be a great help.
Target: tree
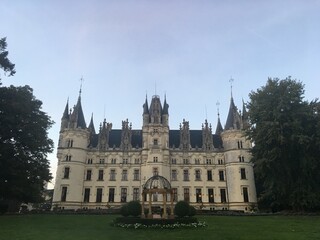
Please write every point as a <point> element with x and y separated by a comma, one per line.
<point>286,136</point>
<point>182,209</point>
<point>5,63</point>
<point>24,145</point>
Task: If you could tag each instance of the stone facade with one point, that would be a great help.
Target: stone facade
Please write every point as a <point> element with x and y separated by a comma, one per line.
<point>106,169</point>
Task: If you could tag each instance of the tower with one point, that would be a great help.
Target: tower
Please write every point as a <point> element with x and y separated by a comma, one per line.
<point>155,137</point>
<point>73,141</point>
<point>239,169</point>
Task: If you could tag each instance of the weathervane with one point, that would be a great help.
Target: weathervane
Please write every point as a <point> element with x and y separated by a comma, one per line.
<point>218,104</point>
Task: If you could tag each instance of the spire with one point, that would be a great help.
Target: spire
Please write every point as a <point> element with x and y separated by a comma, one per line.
<point>66,111</point>
<point>219,128</point>
<point>77,118</point>
<point>65,117</point>
<point>145,106</point>
<point>91,125</point>
<point>165,106</point>
<point>245,117</point>
<point>233,119</point>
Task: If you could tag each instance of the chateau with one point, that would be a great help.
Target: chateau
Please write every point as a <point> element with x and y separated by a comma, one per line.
<point>106,169</point>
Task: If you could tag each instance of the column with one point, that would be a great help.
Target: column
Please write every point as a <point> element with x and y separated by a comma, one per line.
<point>164,195</point>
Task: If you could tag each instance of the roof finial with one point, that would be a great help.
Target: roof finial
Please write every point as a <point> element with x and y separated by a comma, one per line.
<point>81,80</point>
<point>205,106</point>
<point>218,104</point>
<point>231,81</point>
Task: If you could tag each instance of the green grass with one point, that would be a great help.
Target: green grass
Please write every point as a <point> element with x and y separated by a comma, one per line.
<point>78,227</point>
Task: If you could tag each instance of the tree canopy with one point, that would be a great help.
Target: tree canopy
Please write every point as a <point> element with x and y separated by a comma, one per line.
<point>24,145</point>
<point>285,130</point>
<point>5,63</point>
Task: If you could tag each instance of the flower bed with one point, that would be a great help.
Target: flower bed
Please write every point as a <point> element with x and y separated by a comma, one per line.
<point>142,223</point>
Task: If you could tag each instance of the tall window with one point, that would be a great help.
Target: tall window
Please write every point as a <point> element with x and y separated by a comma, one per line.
<point>186,175</point>
<point>243,173</point>
<point>221,175</point>
<point>136,175</point>
<point>125,161</point>
<point>66,172</point>
<point>101,161</point>
<point>68,158</point>
<point>86,195</point>
<point>64,194</point>
<point>209,175</point>
<point>198,195</point>
<point>70,143</point>
<point>245,194</point>
<point>210,195</point>
<point>112,175</point>
<point>124,175</point>
<point>174,175</point>
<point>113,161</point>
<point>208,161</point>
<point>240,144</point>
<point>100,176</point>
<point>123,195</point>
<point>223,195</point>
<point>197,161</point>
<point>173,161</point>
<point>175,194</point>
<point>186,195</point>
<point>198,175</point>
<point>241,158</point>
<point>136,161</point>
<point>220,161</point>
<point>155,159</point>
<point>186,161</point>
<point>89,161</point>
<point>111,195</point>
<point>136,194</point>
<point>99,195</point>
<point>88,175</point>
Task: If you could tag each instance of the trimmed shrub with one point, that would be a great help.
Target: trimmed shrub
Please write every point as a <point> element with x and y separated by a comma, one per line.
<point>192,211</point>
<point>182,209</point>
<point>134,208</point>
<point>124,210</point>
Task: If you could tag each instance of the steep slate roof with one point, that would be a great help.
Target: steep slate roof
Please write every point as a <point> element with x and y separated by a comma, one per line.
<point>66,111</point>
<point>232,122</point>
<point>174,139</point>
<point>219,128</point>
<point>78,115</point>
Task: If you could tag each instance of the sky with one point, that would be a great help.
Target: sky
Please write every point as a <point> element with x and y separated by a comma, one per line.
<point>129,49</point>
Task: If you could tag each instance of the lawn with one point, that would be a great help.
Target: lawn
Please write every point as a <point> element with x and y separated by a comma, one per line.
<point>96,227</point>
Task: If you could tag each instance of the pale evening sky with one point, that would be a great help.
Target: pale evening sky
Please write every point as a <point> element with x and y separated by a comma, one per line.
<point>187,49</point>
